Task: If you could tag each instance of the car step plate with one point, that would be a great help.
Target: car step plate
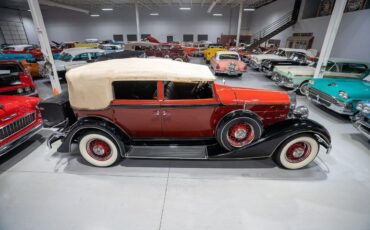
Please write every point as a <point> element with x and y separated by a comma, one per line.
<point>170,152</point>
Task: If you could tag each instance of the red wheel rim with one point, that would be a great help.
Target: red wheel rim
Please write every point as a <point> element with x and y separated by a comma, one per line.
<point>298,152</point>
<point>240,135</point>
<point>98,149</point>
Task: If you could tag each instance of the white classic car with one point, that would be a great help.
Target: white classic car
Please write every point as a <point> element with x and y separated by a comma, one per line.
<point>111,48</point>
<point>71,58</point>
<point>279,54</point>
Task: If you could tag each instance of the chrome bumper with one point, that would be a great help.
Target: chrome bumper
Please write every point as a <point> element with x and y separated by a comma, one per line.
<point>324,143</point>
<point>231,73</point>
<point>254,65</point>
<point>11,145</point>
<point>363,127</point>
<point>266,71</point>
<point>336,108</point>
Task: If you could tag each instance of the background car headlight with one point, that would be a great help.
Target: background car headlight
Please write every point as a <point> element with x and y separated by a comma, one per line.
<point>312,82</point>
<point>359,106</point>
<point>20,90</point>
<point>293,100</point>
<point>343,94</point>
<point>366,109</point>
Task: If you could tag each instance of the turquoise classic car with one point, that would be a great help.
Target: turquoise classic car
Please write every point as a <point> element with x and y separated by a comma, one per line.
<point>297,77</point>
<point>340,94</point>
<point>362,120</point>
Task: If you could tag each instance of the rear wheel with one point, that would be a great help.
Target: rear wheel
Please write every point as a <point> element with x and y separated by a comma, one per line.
<point>179,59</point>
<point>99,149</point>
<point>238,133</point>
<point>297,152</point>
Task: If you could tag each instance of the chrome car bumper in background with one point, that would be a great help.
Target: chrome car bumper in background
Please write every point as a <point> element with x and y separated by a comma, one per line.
<point>11,145</point>
<point>266,71</point>
<point>363,126</point>
<point>283,81</point>
<point>254,65</point>
<point>329,102</point>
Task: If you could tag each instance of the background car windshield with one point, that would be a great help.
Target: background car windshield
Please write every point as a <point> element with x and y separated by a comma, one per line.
<point>298,57</point>
<point>229,57</point>
<point>10,68</point>
<point>353,68</point>
<point>65,57</point>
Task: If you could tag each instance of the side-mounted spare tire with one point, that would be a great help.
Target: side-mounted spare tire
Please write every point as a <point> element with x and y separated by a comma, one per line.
<point>238,131</point>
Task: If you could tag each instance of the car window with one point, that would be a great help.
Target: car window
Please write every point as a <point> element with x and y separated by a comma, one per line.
<point>12,68</point>
<point>9,48</point>
<point>353,68</point>
<point>228,56</point>
<point>181,91</point>
<point>332,67</point>
<point>135,90</point>
<point>81,57</point>
<point>95,55</point>
<point>65,57</point>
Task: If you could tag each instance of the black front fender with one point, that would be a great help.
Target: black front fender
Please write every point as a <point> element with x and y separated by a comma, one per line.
<point>275,135</point>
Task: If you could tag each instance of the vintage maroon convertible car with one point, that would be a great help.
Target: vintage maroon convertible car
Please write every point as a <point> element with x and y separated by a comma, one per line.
<point>159,108</point>
<point>19,120</point>
<point>167,51</point>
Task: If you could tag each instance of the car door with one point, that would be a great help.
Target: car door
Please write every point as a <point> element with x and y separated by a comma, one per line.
<point>187,113</point>
<point>136,108</point>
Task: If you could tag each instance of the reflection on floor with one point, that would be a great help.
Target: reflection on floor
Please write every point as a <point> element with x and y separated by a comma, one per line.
<point>43,189</point>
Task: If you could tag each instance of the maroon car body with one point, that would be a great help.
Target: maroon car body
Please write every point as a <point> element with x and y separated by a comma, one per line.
<point>167,51</point>
<point>15,80</point>
<point>19,120</point>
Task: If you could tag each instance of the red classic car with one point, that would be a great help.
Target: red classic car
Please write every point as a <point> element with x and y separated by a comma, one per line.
<point>19,120</point>
<point>228,62</point>
<point>167,51</point>
<point>159,108</point>
<point>29,49</point>
<point>15,80</point>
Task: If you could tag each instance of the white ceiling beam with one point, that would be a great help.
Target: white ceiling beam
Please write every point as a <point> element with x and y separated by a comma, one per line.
<point>212,6</point>
<point>54,4</point>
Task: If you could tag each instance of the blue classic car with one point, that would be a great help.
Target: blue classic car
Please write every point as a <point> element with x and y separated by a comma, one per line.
<point>340,94</point>
<point>362,120</point>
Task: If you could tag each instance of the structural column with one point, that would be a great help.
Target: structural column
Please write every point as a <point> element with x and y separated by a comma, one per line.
<point>239,23</point>
<point>44,43</point>
<point>330,35</point>
<point>138,35</point>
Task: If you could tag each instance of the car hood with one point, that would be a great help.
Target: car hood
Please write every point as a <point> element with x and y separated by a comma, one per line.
<point>239,96</point>
<point>10,105</point>
<point>356,89</point>
<point>261,57</point>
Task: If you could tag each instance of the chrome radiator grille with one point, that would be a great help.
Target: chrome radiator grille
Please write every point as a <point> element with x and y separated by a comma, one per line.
<point>16,126</point>
<point>323,97</point>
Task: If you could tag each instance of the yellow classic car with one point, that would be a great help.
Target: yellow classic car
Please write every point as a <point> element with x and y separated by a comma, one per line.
<point>211,51</point>
<point>32,67</point>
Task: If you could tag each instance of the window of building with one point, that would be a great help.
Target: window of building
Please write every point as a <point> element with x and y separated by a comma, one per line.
<point>135,90</point>
<point>118,37</point>
<point>131,37</point>
<point>169,38</point>
<point>188,38</point>
<point>202,37</point>
<point>180,91</point>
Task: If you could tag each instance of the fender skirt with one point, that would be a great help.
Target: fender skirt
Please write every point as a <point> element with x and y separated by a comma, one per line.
<point>273,137</point>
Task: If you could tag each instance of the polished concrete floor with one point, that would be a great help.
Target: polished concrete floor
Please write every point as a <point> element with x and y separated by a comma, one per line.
<point>43,189</point>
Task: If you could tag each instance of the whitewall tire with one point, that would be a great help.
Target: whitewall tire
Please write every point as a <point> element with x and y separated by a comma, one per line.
<point>179,59</point>
<point>99,149</point>
<point>297,152</point>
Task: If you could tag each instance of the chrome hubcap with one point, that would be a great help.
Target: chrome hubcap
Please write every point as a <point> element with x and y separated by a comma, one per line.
<point>298,152</point>
<point>240,133</point>
<point>98,150</point>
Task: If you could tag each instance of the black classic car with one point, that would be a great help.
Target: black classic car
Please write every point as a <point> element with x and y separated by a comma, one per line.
<point>268,65</point>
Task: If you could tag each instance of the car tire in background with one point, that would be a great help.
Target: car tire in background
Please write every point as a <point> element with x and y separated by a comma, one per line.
<point>179,59</point>
<point>297,152</point>
<point>238,132</point>
<point>303,88</point>
<point>99,149</point>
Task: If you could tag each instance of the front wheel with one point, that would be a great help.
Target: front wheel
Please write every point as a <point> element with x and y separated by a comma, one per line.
<point>238,133</point>
<point>297,152</point>
<point>99,149</point>
<point>303,88</point>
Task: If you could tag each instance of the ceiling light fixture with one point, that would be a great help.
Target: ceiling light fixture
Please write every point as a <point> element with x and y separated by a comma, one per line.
<point>154,14</point>
<point>217,15</point>
<point>249,9</point>
<point>107,9</point>
<point>94,15</point>
<point>185,8</point>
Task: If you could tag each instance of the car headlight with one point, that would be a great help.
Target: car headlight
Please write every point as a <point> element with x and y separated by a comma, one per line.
<point>366,109</point>
<point>343,94</point>
<point>311,82</point>
<point>359,106</point>
<point>20,90</point>
<point>27,89</point>
<point>301,112</point>
<point>293,100</point>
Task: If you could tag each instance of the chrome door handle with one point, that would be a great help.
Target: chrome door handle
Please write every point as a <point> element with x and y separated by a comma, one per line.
<point>166,114</point>
<point>156,113</point>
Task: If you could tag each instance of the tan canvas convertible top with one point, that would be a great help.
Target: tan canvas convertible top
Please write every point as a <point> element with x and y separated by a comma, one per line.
<point>90,86</point>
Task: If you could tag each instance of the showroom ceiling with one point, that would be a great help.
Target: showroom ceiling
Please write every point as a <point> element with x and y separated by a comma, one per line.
<point>89,4</point>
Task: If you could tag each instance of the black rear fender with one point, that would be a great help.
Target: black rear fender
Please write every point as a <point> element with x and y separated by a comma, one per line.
<point>88,124</point>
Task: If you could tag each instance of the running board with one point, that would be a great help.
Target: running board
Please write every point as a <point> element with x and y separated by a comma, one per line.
<point>168,152</point>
